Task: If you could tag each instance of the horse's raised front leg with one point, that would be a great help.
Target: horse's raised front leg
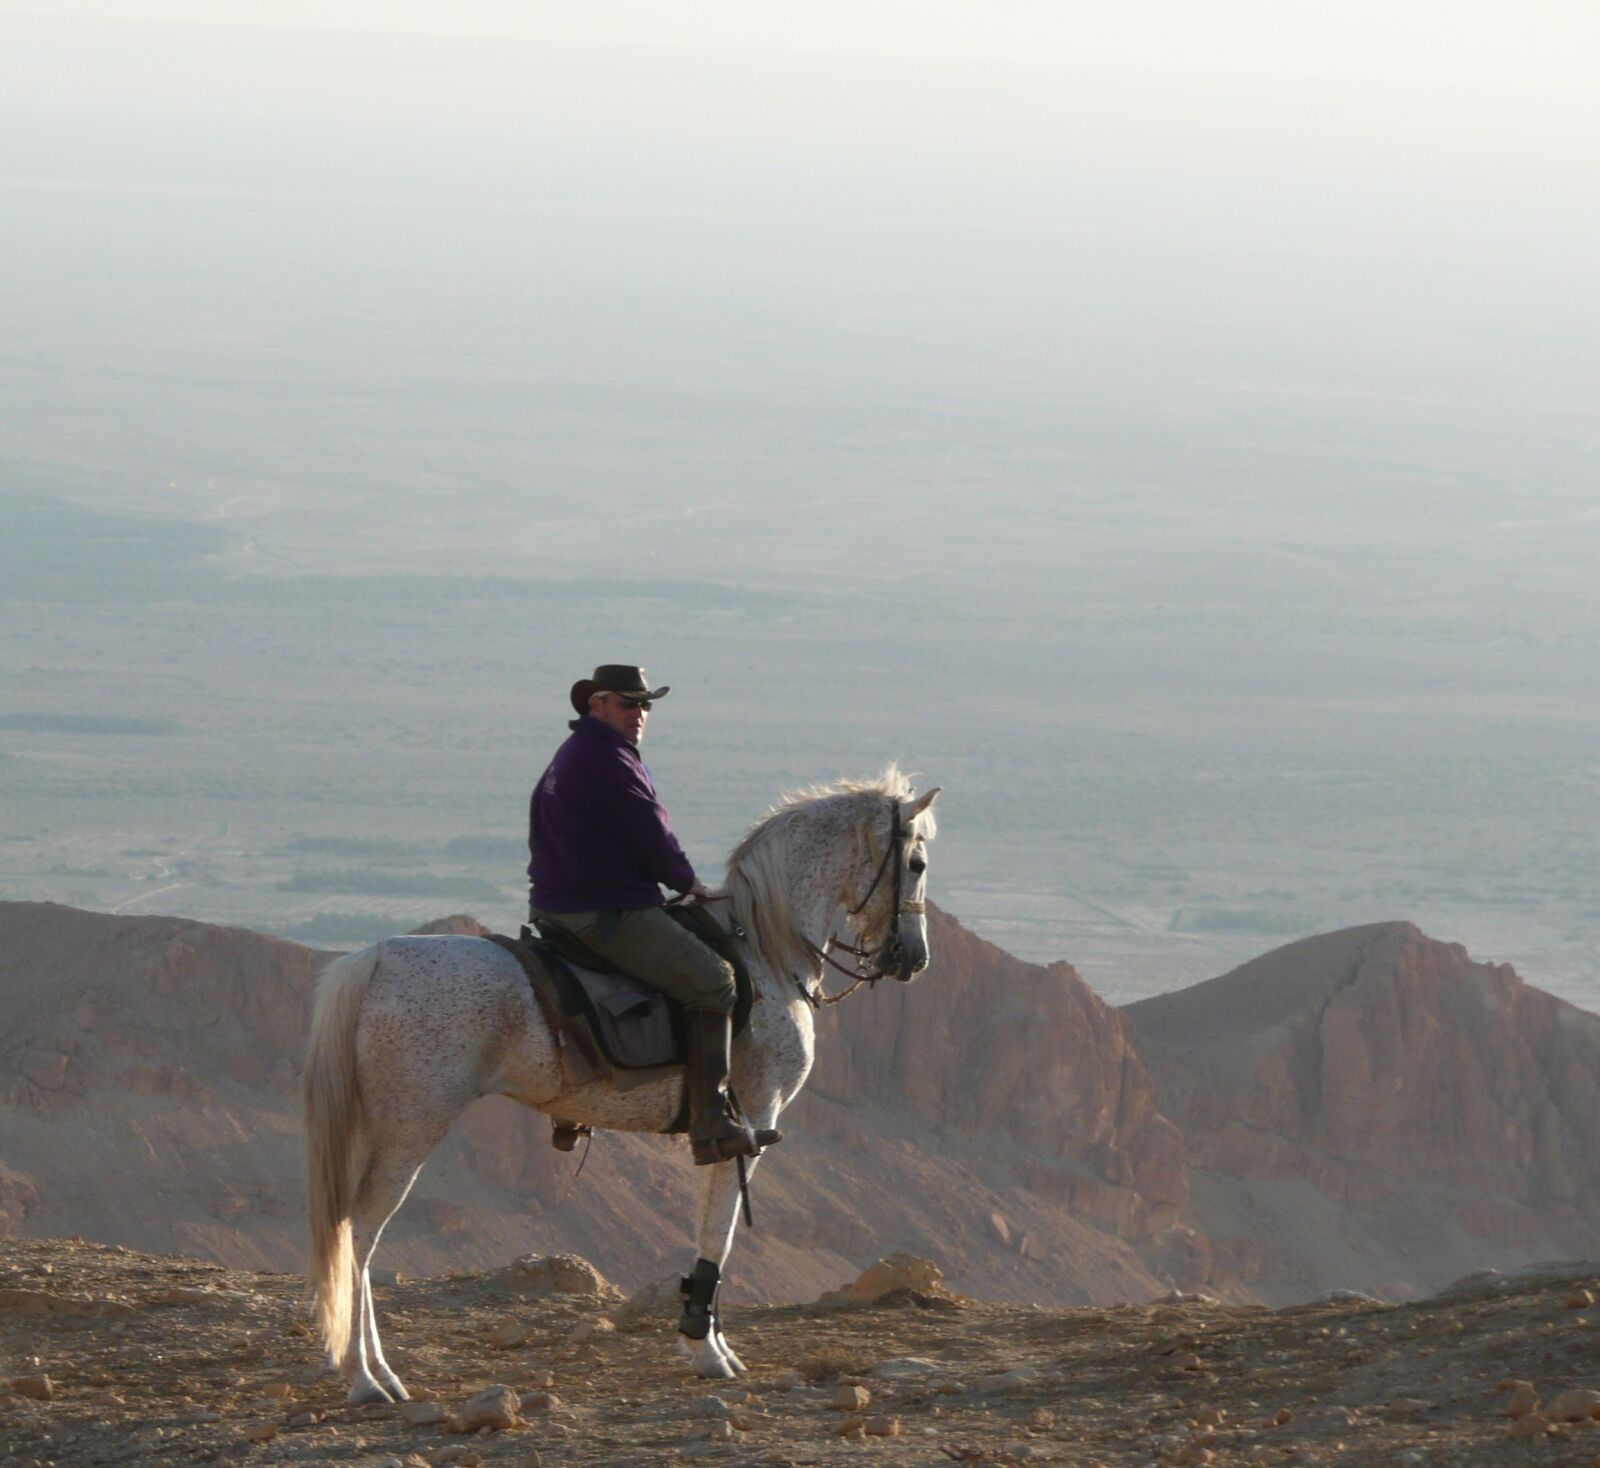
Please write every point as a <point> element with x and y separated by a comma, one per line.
<point>700,1336</point>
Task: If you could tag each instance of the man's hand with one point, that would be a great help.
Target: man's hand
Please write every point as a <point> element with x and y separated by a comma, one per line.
<point>698,893</point>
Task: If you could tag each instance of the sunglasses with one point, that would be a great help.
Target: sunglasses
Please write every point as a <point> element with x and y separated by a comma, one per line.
<point>632,703</point>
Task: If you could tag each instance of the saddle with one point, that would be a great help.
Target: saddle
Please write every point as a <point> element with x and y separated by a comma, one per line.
<point>609,1025</point>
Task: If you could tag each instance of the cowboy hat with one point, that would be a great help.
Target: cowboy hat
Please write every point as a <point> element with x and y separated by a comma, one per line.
<point>613,678</point>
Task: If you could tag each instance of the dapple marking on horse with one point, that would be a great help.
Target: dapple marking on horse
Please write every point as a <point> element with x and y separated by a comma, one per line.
<point>408,1033</point>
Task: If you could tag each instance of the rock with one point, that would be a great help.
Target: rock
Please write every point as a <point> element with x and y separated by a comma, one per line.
<point>494,1407</point>
<point>881,1427</point>
<point>555,1274</point>
<point>788,1380</point>
<point>277,1390</point>
<point>708,1407</point>
<point>509,1332</point>
<point>40,1388</point>
<point>657,1301</point>
<point>1000,1228</point>
<point>900,1271</point>
<point>1531,1425</point>
<point>713,1432</point>
<point>851,1427</point>
<point>423,1414</point>
<point>901,1368</point>
<point>540,1404</point>
<point>1579,1300</point>
<point>851,1398</point>
<point>538,1381</point>
<point>1004,1383</point>
<point>1041,1417</point>
<point>1578,1404</point>
<point>261,1432</point>
<point>1523,1400</point>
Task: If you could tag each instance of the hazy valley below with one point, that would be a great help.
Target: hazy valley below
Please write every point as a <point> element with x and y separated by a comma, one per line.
<point>1150,459</point>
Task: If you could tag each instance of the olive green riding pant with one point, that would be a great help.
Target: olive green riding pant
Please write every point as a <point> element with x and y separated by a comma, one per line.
<point>650,946</point>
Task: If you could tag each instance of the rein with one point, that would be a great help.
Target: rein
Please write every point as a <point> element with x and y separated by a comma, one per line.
<point>860,975</point>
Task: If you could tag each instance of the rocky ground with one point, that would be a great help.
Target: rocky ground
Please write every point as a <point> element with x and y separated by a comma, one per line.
<point>107,1356</point>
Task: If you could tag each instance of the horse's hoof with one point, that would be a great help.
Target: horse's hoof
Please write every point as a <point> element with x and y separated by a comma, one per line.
<point>705,1359</point>
<point>730,1355</point>
<point>364,1393</point>
<point>396,1392</point>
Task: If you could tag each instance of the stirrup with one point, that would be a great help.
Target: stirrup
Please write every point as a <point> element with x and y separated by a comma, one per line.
<point>746,1142</point>
<point>564,1134</point>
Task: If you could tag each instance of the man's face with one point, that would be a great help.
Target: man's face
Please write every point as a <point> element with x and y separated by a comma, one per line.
<point>612,709</point>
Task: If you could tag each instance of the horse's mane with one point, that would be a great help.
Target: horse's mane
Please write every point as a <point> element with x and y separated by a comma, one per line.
<point>759,875</point>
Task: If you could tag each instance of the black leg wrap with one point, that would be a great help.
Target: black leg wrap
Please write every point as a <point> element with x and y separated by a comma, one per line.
<point>699,1291</point>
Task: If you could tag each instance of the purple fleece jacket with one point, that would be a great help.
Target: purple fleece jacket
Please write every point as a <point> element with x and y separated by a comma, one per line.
<point>598,833</point>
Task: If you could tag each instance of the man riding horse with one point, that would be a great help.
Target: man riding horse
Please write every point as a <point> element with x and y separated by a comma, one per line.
<point>602,848</point>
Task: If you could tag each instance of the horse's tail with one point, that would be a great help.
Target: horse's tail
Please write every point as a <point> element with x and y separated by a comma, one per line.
<point>334,1127</point>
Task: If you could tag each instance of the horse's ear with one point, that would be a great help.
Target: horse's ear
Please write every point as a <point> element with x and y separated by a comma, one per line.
<point>922,802</point>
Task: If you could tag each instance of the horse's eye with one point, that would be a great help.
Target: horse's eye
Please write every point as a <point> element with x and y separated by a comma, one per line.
<point>918,865</point>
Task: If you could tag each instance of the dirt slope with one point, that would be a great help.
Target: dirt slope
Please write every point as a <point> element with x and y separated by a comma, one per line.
<point>162,1361</point>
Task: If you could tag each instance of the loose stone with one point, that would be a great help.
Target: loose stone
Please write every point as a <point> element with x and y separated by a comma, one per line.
<point>508,1333</point>
<point>494,1407</point>
<point>1577,1405</point>
<point>423,1414</point>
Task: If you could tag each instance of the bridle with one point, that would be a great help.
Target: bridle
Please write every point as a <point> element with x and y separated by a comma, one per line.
<point>893,950</point>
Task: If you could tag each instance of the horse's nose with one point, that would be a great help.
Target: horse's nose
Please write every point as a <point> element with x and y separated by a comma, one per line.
<point>912,963</point>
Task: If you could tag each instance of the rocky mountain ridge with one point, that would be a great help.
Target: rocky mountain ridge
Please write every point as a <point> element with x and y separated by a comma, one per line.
<point>1307,1121</point>
<point>1373,1105</point>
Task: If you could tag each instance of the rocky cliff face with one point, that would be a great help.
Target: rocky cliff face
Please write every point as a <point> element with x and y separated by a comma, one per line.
<point>1027,1061</point>
<point>1372,1105</point>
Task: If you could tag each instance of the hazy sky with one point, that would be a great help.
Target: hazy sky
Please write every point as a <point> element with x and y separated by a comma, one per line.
<point>1546,42</point>
<point>1232,364</point>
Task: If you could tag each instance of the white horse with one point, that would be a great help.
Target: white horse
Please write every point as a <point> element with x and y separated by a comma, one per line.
<point>408,1033</point>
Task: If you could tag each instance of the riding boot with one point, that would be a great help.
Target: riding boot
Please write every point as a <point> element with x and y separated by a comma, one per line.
<point>716,1133</point>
